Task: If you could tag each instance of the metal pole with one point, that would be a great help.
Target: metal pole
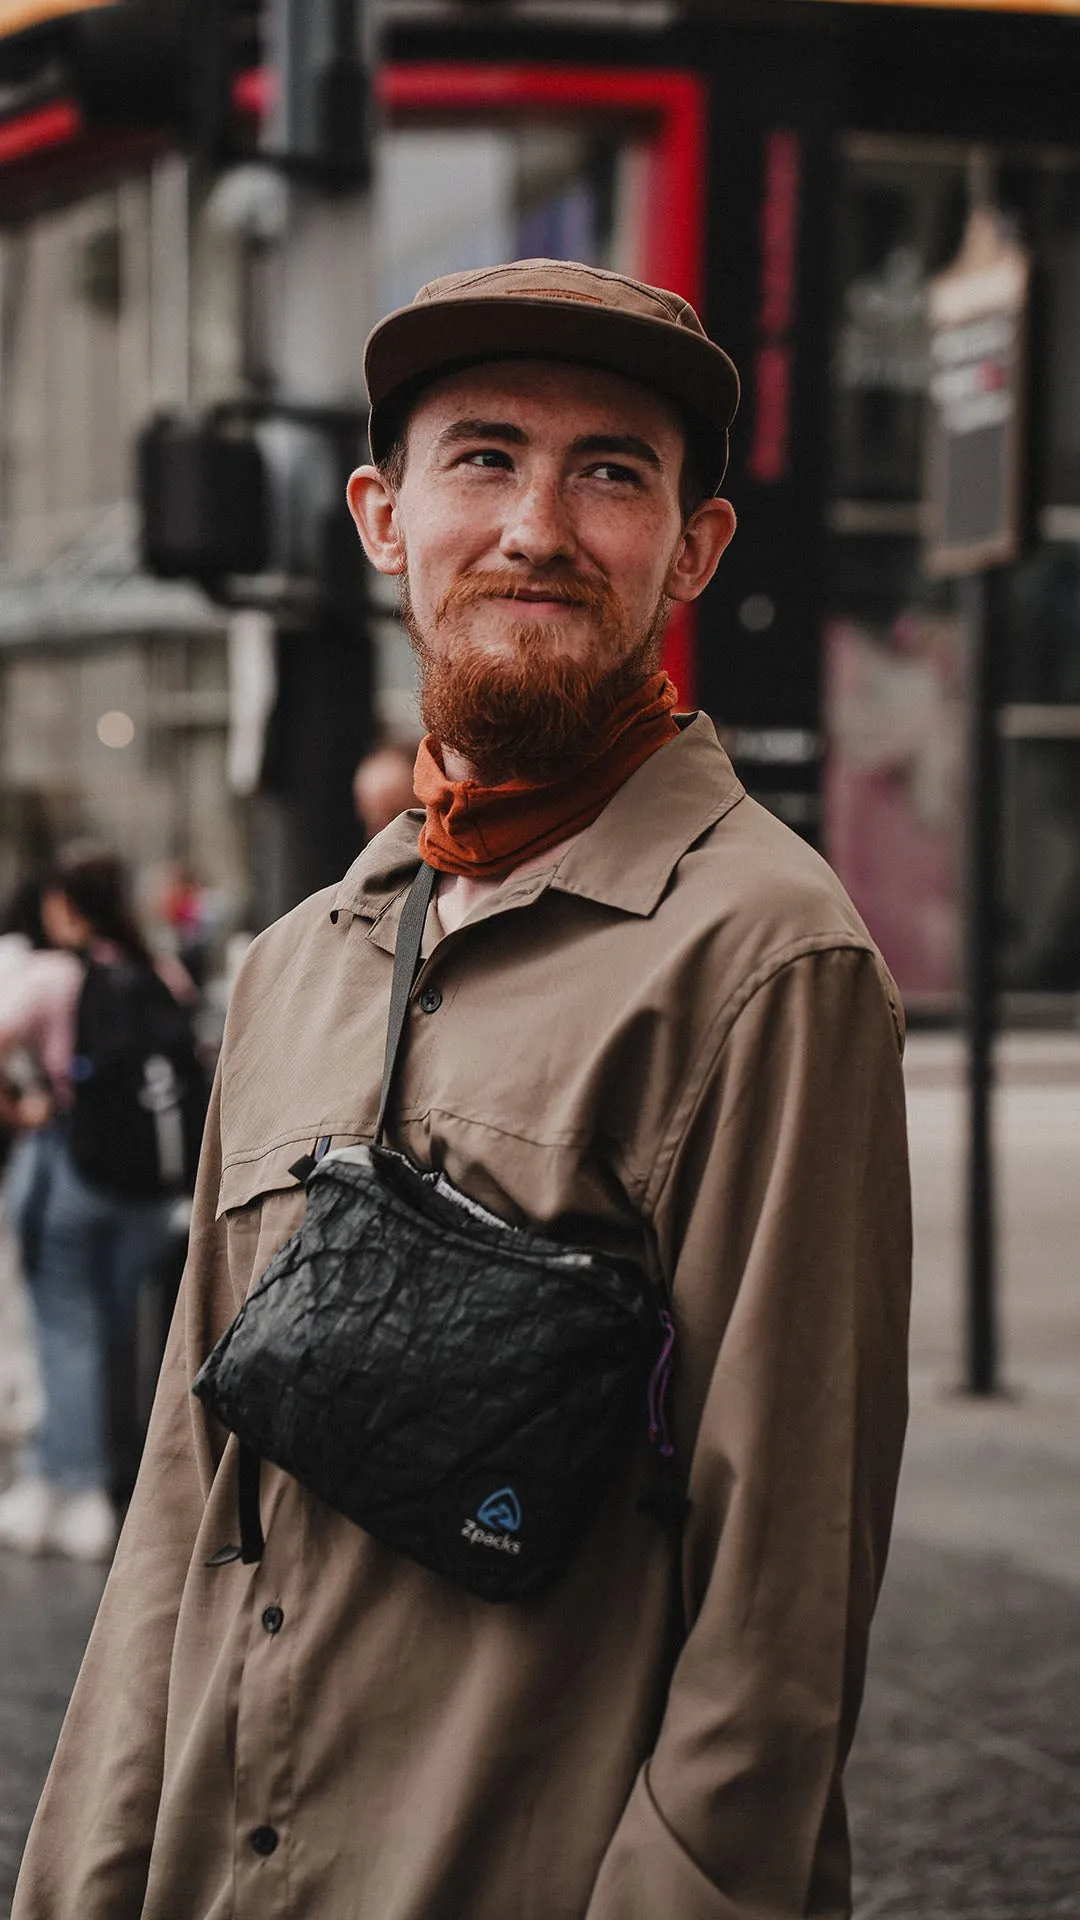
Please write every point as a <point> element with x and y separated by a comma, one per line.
<point>324,286</point>
<point>982,601</point>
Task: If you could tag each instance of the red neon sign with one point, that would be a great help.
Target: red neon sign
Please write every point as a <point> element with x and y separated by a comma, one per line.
<point>770,448</point>
<point>672,106</point>
<point>37,132</point>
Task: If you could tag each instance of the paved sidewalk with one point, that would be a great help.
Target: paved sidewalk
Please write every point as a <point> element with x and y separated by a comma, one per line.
<point>46,1609</point>
<point>965,1782</point>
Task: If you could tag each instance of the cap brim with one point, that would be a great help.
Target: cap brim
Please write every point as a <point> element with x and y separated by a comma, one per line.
<point>421,343</point>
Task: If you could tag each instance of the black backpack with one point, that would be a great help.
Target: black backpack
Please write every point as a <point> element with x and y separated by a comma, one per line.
<point>139,1092</point>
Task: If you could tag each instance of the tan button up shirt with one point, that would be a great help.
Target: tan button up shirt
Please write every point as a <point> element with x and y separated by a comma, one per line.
<point>677,1042</point>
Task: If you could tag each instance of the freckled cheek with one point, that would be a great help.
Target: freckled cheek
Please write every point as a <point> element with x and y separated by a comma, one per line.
<point>457,540</point>
<point>637,570</point>
<point>435,562</point>
<point>636,546</point>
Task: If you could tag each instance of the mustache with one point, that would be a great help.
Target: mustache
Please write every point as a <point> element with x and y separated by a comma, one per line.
<point>594,597</point>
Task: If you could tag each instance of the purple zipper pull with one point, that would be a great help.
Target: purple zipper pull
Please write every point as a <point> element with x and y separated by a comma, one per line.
<point>659,1381</point>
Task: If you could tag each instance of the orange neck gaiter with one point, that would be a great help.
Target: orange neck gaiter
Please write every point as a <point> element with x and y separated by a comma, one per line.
<point>485,832</point>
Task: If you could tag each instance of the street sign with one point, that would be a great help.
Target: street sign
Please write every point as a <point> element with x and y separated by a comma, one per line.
<point>978,342</point>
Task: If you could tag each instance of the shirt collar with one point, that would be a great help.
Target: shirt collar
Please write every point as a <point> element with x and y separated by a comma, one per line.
<point>624,860</point>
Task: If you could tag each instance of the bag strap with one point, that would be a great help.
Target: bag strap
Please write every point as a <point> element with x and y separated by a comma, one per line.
<point>248,1475</point>
<point>406,959</point>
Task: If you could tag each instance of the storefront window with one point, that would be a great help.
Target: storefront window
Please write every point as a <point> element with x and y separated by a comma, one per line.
<point>451,198</point>
<point>900,222</point>
<point>895,655</point>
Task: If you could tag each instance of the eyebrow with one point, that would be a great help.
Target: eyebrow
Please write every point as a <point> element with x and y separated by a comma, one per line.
<point>461,431</point>
<point>619,443</point>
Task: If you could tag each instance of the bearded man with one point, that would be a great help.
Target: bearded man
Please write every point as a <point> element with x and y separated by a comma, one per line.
<point>646,1020</point>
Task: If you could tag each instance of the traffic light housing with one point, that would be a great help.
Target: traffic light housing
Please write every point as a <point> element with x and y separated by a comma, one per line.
<point>317,116</point>
<point>142,62</point>
<point>202,500</point>
<point>285,81</point>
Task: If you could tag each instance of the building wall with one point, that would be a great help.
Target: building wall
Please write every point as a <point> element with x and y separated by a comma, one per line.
<point>114,697</point>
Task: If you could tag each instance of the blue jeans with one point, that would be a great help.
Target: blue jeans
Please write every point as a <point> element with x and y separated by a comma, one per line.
<point>85,1255</point>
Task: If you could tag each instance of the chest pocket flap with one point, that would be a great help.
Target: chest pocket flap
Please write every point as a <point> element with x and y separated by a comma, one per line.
<point>250,1177</point>
<point>262,1204</point>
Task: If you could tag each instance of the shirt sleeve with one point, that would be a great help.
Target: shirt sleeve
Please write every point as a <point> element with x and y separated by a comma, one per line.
<point>782,1213</point>
<point>89,1847</point>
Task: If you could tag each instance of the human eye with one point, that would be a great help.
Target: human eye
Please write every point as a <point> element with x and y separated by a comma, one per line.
<point>615,473</point>
<point>486,459</point>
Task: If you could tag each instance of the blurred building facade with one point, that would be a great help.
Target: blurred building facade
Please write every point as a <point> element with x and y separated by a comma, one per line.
<point>157,266</point>
<point>799,171</point>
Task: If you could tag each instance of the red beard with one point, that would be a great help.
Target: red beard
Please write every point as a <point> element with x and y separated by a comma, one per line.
<point>530,713</point>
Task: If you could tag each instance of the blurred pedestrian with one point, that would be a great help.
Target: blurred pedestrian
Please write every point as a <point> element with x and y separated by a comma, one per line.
<point>644,1086</point>
<point>383,786</point>
<point>86,1247</point>
<point>21,936</point>
<point>182,906</point>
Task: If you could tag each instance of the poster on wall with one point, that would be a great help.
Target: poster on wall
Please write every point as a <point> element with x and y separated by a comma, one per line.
<point>893,787</point>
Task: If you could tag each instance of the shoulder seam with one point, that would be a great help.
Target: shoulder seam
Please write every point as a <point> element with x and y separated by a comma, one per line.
<point>719,1033</point>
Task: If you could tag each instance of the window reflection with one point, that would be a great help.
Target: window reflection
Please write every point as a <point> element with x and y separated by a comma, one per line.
<point>895,656</point>
<point>451,198</point>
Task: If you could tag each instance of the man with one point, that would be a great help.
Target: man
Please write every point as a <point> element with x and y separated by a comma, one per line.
<point>647,1018</point>
<point>383,786</point>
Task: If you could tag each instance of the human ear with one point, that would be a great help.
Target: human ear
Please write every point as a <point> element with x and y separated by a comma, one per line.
<point>373,505</point>
<point>700,546</point>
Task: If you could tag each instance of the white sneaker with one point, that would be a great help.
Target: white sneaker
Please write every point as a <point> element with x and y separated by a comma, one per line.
<point>26,1515</point>
<point>83,1526</point>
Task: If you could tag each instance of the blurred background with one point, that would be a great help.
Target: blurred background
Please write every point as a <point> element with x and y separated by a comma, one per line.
<point>203,208</point>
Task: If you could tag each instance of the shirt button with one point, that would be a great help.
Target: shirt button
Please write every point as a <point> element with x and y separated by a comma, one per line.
<point>264,1840</point>
<point>273,1619</point>
<point>430,1000</point>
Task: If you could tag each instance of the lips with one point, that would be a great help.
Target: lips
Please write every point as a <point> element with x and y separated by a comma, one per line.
<point>577,596</point>
<point>538,598</point>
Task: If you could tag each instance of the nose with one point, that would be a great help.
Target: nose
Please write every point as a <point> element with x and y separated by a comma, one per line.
<point>537,528</point>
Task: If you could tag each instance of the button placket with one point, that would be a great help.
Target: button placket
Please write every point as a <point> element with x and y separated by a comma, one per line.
<point>263,1751</point>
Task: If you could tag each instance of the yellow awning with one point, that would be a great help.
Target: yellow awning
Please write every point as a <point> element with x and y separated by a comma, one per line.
<point>17,15</point>
<point>982,6</point>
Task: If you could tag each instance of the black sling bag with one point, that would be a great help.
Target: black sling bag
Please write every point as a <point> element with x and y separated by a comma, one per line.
<point>462,1389</point>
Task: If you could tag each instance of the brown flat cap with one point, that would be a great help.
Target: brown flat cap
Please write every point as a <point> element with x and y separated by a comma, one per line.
<point>553,310</point>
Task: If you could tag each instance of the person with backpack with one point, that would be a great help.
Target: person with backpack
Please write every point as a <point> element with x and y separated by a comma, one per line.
<point>109,1138</point>
<point>22,941</point>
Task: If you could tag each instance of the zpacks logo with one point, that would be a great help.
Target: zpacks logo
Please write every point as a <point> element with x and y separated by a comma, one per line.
<point>496,1521</point>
